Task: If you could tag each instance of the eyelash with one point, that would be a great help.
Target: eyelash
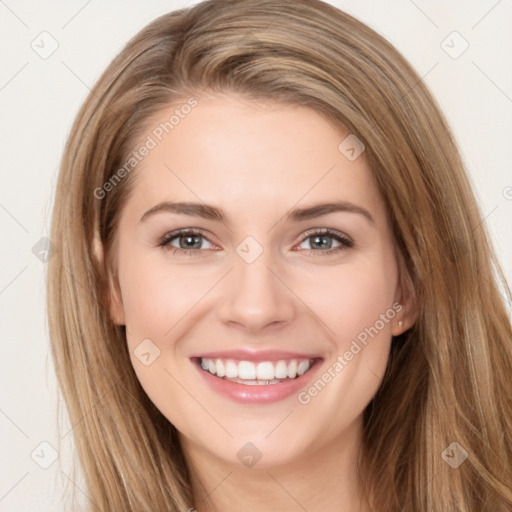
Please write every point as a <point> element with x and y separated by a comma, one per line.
<point>345,242</point>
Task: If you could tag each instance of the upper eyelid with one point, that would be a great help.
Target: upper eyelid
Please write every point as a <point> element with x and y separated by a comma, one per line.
<point>184,231</point>
<point>171,235</point>
<point>326,231</point>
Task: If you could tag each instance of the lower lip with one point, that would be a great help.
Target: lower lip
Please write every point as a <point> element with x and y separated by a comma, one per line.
<point>261,393</point>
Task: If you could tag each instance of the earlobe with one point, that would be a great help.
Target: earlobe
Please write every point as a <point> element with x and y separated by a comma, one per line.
<point>113,294</point>
<point>404,320</point>
<point>408,314</point>
<point>397,326</point>
<point>401,326</point>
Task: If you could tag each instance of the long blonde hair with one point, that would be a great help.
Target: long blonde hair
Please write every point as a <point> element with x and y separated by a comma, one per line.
<point>448,377</point>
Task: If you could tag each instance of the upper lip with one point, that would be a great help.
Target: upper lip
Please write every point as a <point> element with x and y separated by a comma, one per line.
<point>255,355</point>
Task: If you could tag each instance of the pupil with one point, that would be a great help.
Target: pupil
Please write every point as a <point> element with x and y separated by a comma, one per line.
<point>190,242</point>
<point>322,241</point>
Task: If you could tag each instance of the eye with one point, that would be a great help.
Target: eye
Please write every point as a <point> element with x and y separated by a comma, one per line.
<point>326,241</point>
<point>185,241</point>
<point>189,241</point>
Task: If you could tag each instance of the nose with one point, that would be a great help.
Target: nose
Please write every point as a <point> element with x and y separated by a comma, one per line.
<point>256,297</point>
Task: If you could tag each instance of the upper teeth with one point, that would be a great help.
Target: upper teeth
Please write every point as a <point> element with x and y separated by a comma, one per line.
<point>266,370</point>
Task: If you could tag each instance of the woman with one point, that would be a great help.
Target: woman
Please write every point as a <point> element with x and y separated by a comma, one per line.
<point>277,290</point>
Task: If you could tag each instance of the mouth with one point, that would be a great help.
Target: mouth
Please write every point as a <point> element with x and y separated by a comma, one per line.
<point>251,373</point>
<point>250,378</point>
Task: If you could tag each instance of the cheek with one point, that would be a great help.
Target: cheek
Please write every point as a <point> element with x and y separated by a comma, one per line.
<point>365,298</point>
<point>156,296</point>
<point>159,301</point>
<point>349,299</point>
<point>356,303</point>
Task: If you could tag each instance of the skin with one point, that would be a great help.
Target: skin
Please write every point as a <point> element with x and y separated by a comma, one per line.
<point>256,162</point>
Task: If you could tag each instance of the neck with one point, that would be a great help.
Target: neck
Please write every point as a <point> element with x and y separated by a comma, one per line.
<point>325,478</point>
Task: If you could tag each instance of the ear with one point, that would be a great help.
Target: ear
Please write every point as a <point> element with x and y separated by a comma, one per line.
<point>405,295</point>
<point>115,300</point>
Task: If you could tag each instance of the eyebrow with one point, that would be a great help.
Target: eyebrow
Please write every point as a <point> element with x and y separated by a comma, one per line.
<point>209,212</point>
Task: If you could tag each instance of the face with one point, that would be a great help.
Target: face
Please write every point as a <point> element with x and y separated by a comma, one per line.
<point>258,281</point>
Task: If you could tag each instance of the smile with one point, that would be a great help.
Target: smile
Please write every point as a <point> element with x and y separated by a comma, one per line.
<point>256,377</point>
<point>261,373</point>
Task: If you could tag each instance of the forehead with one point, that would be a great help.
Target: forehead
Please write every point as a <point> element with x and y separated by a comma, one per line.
<point>238,153</point>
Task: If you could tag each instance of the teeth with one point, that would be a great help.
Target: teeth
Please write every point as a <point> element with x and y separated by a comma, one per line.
<point>292,369</point>
<point>246,370</point>
<point>221,371</point>
<point>231,369</point>
<point>302,368</point>
<point>265,371</point>
<point>249,373</point>
<point>281,370</point>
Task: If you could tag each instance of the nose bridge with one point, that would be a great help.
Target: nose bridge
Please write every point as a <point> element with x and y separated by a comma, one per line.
<point>254,297</point>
